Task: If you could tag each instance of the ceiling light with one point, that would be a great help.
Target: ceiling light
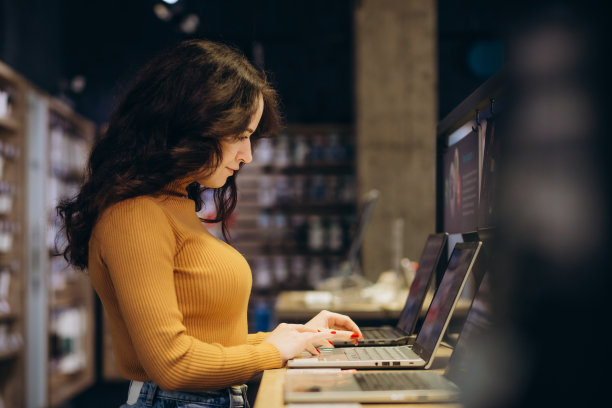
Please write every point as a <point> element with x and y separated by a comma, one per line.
<point>162,12</point>
<point>190,24</point>
<point>78,83</point>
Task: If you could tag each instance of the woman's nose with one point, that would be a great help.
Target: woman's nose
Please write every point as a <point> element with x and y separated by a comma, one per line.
<point>244,152</point>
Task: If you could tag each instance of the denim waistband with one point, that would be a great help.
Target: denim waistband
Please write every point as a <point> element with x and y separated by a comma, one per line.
<point>150,395</point>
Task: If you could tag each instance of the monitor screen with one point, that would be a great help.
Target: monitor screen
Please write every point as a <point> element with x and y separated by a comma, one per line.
<point>490,168</point>
<point>461,172</point>
<point>466,160</point>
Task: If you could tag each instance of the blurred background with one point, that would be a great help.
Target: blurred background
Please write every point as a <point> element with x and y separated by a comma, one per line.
<point>364,85</point>
<point>90,50</point>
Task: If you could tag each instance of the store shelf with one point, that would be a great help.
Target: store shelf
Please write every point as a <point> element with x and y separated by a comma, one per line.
<point>66,387</point>
<point>28,294</point>
<point>9,124</point>
<point>10,353</point>
<point>12,241</point>
<point>71,294</point>
<point>9,316</point>
<point>320,208</point>
<point>61,312</point>
<point>312,168</point>
<point>252,248</point>
<point>297,203</point>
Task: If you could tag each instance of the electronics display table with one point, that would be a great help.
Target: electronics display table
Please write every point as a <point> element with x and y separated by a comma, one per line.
<point>270,394</point>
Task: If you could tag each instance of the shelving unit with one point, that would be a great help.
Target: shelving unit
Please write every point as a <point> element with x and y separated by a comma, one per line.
<point>296,208</point>
<point>110,372</point>
<point>61,316</point>
<point>12,276</point>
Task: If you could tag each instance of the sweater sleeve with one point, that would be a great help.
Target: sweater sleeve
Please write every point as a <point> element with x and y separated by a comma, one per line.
<point>137,245</point>
<point>256,338</point>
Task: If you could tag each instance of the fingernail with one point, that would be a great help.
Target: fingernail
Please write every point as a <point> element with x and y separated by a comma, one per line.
<point>319,330</point>
<point>354,335</point>
<point>318,350</point>
<point>333,332</point>
<point>330,342</point>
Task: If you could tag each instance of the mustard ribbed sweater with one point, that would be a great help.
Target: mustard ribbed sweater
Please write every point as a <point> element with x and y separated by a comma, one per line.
<point>175,296</point>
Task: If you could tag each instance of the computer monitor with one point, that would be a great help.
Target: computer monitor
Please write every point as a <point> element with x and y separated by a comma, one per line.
<point>467,149</point>
<point>466,160</point>
<point>461,188</point>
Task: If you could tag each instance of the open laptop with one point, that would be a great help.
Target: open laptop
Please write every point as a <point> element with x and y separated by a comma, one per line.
<point>425,345</point>
<point>403,332</point>
<point>398,386</point>
<point>349,275</point>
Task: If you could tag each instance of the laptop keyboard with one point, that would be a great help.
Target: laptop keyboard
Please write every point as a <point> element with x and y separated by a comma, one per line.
<point>380,334</point>
<point>375,353</point>
<point>389,381</point>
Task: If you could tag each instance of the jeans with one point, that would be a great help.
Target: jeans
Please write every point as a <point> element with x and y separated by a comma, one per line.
<point>151,396</point>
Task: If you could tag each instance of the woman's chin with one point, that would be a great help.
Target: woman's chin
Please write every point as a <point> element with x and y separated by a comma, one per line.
<point>213,184</point>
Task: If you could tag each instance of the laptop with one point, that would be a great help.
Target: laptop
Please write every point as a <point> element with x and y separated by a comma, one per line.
<point>421,353</point>
<point>403,332</point>
<point>316,385</point>
<point>349,275</point>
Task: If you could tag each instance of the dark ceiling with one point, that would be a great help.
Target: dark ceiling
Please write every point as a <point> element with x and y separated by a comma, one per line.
<point>306,46</point>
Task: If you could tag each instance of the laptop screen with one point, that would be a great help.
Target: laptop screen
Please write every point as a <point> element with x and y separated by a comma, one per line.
<point>430,258</point>
<point>447,294</point>
<point>365,214</point>
<point>478,320</point>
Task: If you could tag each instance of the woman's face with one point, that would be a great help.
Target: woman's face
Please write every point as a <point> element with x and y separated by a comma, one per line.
<point>234,151</point>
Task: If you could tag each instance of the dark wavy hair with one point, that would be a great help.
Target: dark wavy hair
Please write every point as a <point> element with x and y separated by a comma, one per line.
<point>168,125</point>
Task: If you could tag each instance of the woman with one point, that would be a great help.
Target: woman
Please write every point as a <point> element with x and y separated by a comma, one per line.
<point>175,296</point>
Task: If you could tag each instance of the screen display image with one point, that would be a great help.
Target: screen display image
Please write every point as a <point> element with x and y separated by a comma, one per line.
<point>487,205</point>
<point>418,289</point>
<point>446,295</point>
<point>461,184</point>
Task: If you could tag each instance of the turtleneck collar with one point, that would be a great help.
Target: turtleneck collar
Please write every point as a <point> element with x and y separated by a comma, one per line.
<point>177,187</point>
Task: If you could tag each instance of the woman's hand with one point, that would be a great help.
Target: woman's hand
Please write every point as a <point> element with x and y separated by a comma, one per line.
<point>341,327</point>
<point>292,339</point>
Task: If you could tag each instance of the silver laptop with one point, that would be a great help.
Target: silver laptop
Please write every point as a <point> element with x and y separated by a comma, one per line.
<point>421,354</point>
<point>318,385</point>
<point>404,331</point>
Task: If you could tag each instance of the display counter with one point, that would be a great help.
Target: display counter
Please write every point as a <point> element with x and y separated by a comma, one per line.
<point>270,393</point>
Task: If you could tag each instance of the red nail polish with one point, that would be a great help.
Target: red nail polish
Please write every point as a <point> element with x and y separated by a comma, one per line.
<point>330,342</point>
<point>318,351</point>
<point>319,330</point>
<point>354,335</point>
<point>333,332</point>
